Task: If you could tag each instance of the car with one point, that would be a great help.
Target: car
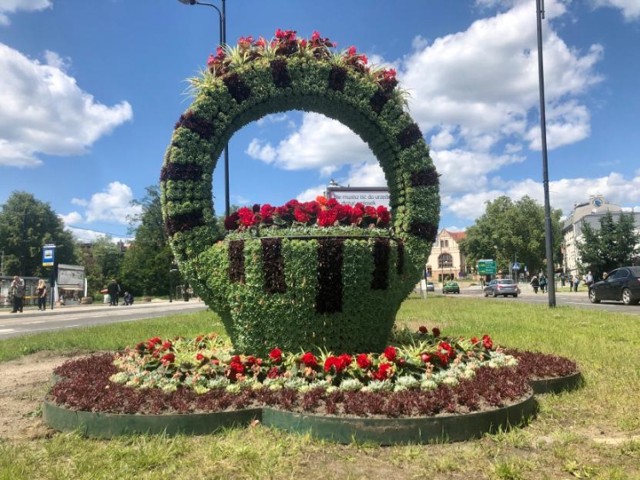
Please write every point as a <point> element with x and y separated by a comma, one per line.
<point>621,285</point>
<point>431,287</point>
<point>501,286</point>
<point>451,287</point>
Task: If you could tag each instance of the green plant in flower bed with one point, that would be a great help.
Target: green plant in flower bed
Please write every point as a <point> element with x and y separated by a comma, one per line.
<point>335,292</point>
<point>430,375</point>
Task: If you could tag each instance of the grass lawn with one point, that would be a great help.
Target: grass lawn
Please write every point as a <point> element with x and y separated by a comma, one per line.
<point>590,433</point>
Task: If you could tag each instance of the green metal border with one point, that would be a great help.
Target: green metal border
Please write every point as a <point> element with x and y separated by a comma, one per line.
<point>382,431</point>
<point>557,384</point>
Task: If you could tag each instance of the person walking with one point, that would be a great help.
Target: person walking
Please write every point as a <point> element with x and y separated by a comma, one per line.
<point>576,282</point>
<point>114,292</point>
<point>41,290</point>
<point>543,283</point>
<point>535,283</point>
<point>16,290</point>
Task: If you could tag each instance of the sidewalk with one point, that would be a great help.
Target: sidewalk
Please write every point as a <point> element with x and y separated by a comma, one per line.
<point>93,307</point>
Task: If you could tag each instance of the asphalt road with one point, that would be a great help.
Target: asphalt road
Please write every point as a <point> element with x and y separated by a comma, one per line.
<point>61,318</point>
<point>569,299</point>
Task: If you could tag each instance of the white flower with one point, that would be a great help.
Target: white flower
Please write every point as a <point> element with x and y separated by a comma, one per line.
<point>351,385</point>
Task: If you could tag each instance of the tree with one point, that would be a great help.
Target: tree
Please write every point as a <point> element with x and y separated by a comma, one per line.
<point>102,262</point>
<point>148,261</point>
<point>615,244</point>
<point>509,231</point>
<point>26,224</point>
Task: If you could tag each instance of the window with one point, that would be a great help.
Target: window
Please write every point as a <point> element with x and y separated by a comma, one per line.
<point>445,260</point>
<point>444,243</point>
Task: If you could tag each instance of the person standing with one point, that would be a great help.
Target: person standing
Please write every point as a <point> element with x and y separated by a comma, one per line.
<point>114,292</point>
<point>576,282</point>
<point>41,290</point>
<point>16,290</point>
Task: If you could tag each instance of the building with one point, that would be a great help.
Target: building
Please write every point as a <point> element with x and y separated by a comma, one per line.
<point>589,212</point>
<point>446,261</point>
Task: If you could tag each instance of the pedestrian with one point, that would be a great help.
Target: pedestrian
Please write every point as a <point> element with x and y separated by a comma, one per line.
<point>41,290</point>
<point>535,283</point>
<point>114,292</point>
<point>576,282</point>
<point>588,279</point>
<point>543,283</point>
<point>562,279</point>
<point>128,298</point>
<point>16,290</point>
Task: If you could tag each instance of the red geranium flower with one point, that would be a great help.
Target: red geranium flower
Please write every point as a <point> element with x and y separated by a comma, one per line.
<point>364,361</point>
<point>390,353</point>
<point>168,358</point>
<point>309,360</point>
<point>487,342</point>
<point>385,370</point>
<point>275,355</point>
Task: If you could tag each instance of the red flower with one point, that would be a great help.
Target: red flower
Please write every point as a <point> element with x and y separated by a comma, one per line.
<point>447,349</point>
<point>309,360</point>
<point>275,355</point>
<point>231,222</point>
<point>363,361</point>
<point>487,342</point>
<point>167,345</point>
<point>327,218</point>
<point>390,353</point>
<point>474,340</point>
<point>246,217</point>
<point>168,358</point>
<point>422,329</point>
<point>301,216</point>
<point>385,370</point>
<point>200,357</point>
<point>274,372</point>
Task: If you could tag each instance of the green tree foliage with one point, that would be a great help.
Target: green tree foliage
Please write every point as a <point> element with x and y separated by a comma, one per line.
<point>147,262</point>
<point>102,262</point>
<point>511,230</point>
<point>613,245</point>
<point>26,224</point>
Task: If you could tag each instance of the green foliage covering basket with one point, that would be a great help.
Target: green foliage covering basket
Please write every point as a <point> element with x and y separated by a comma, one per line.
<point>296,287</point>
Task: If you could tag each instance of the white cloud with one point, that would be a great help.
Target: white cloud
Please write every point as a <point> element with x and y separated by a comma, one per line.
<point>319,143</point>
<point>629,8</point>
<point>484,81</point>
<point>71,218</point>
<point>8,7</point>
<point>44,110</point>
<point>112,205</point>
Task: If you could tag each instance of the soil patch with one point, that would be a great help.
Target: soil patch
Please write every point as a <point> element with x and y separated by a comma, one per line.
<point>23,385</point>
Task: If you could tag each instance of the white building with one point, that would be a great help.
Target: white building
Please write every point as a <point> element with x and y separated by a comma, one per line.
<point>446,262</point>
<point>589,212</point>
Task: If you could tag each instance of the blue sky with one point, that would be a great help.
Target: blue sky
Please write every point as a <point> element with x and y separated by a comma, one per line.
<point>90,92</point>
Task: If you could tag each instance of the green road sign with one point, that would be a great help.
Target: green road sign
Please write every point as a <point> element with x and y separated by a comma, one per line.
<point>486,267</point>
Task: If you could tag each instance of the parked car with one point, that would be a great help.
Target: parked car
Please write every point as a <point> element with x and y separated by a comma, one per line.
<point>451,287</point>
<point>622,285</point>
<point>501,286</point>
<point>431,287</point>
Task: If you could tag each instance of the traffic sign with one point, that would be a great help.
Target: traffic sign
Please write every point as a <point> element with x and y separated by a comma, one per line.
<point>515,266</point>
<point>487,267</point>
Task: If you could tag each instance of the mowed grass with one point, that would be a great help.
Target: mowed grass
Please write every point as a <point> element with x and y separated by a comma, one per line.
<point>590,433</point>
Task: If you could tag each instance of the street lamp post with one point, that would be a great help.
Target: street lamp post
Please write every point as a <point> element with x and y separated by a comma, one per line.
<point>222,17</point>
<point>551,290</point>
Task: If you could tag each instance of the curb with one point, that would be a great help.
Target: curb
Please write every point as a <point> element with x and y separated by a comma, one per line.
<point>557,384</point>
<point>381,431</point>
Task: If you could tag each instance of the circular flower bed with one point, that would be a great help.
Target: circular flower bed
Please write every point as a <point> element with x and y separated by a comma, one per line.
<point>336,292</point>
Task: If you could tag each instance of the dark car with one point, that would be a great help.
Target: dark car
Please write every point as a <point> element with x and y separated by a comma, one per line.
<point>451,287</point>
<point>621,285</point>
<point>501,286</point>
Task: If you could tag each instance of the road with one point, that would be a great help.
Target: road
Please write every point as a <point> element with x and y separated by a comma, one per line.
<point>569,299</point>
<point>61,318</point>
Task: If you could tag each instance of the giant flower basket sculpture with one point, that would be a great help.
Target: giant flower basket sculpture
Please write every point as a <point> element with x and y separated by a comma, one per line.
<point>299,286</point>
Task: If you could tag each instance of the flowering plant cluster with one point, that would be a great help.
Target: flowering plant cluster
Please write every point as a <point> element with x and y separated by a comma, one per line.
<point>207,363</point>
<point>321,212</point>
<point>286,43</point>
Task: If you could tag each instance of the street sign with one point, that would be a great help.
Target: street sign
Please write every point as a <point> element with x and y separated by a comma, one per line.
<point>48,255</point>
<point>487,267</point>
<point>515,266</point>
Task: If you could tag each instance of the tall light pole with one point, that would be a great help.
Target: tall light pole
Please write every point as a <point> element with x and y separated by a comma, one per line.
<point>551,290</point>
<point>222,17</point>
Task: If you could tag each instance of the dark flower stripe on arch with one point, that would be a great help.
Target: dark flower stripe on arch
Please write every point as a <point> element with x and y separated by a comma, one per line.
<point>273,265</point>
<point>280,73</point>
<point>237,88</point>
<point>236,261</point>
<point>378,100</point>
<point>196,124</point>
<point>427,231</point>
<point>380,278</point>
<point>330,257</point>
<point>337,78</point>
<point>409,136</point>
<point>427,177</point>
<point>400,257</point>
<point>183,222</point>
<point>180,171</point>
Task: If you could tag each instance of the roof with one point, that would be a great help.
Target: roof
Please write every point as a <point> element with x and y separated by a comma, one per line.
<point>457,236</point>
